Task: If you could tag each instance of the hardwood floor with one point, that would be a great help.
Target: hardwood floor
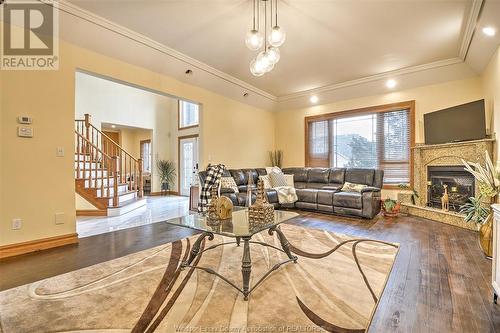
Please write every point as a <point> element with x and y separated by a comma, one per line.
<point>440,281</point>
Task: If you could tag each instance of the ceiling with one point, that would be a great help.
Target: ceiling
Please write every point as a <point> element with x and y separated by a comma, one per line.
<point>329,42</point>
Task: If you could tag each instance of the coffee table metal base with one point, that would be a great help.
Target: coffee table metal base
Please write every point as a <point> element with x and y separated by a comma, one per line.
<point>246,260</point>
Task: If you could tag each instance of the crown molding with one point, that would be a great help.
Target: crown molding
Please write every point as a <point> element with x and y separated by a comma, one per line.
<point>376,77</point>
<point>470,27</point>
<point>81,13</point>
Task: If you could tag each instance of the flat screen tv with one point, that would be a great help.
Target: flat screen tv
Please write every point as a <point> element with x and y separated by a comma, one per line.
<point>459,123</point>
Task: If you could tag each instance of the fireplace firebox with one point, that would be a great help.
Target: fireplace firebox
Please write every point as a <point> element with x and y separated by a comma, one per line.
<point>460,186</point>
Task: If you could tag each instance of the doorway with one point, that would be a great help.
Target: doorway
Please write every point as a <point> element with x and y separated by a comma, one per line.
<point>188,161</point>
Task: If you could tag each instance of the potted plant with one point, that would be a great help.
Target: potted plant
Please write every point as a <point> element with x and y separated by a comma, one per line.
<point>489,187</point>
<point>166,172</point>
<point>390,208</point>
<point>474,210</point>
<point>414,194</point>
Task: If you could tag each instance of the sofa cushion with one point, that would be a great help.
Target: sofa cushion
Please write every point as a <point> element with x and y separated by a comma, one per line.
<point>318,175</point>
<point>325,197</point>
<point>337,175</point>
<point>253,174</point>
<point>360,176</point>
<point>239,176</point>
<point>347,199</point>
<point>244,188</point>
<point>332,187</point>
<point>306,205</point>
<point>299,174</point>
<point>242,199</point>
<point>307,195</point>
<point>272,196</point>
<point>300,184</point>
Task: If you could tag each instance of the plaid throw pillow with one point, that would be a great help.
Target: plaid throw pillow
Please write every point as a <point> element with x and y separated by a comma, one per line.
<point>277,179</point>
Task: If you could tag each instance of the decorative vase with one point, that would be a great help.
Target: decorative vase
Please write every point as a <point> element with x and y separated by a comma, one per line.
<point>486,236</point>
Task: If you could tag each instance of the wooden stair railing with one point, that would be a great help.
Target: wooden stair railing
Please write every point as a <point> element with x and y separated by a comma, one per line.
<point>125,168</point>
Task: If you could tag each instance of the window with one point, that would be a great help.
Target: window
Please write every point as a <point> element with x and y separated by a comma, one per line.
<point>378,137</point>
<point>188,114</point>
<point>146,154</point>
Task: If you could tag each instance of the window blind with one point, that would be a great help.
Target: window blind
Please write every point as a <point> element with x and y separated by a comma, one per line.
<point>378,139</point>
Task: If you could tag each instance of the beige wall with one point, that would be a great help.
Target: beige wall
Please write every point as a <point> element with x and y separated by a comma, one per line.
<point>290,123</point>
<point>36,184</point>
<point>491,87</point>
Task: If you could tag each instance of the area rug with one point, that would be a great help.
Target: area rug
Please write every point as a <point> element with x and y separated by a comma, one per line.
<point>334,287</point>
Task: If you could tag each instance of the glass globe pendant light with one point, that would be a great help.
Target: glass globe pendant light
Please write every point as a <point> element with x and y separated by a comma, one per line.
<point>273,54</point>
<point>254,38</point>
<point>278,35</point>
<point>265,61</point>
<point>256,68</point>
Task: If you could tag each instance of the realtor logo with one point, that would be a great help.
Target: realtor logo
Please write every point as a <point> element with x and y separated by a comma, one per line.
<point>29,36</point>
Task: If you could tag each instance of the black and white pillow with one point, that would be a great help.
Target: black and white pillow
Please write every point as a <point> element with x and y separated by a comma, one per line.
<point>228,182</point>
<point>277,179</point>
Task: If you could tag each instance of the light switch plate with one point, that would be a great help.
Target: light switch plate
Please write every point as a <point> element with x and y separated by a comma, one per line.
<point>60,152</point>
<point>59,218</point>
<point>25,131</point>
<point>17,224</point>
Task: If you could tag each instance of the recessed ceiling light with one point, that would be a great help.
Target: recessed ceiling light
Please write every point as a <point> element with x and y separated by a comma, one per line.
<point>489,31</point>
<point>314,99</point>
<point>391,83</point>
<point>113,126</point>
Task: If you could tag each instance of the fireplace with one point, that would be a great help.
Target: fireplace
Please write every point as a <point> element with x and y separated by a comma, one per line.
<point>461,186</point>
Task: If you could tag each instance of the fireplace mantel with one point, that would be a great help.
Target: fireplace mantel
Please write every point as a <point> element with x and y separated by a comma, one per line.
<point>447,154</point>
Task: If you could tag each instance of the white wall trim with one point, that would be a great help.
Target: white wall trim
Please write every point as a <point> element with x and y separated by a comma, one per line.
<point>470,27</point>
<point>407,70</point>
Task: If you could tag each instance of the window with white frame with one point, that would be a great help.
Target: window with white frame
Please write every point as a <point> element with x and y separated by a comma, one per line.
<point>188,114</point>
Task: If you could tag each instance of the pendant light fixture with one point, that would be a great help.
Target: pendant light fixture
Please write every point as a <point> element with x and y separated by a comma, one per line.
<point>278,35</point>
<point>254,38</point>
<point>270,55</point>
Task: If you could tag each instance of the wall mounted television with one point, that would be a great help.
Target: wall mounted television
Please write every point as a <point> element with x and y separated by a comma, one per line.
<point>459,123</point>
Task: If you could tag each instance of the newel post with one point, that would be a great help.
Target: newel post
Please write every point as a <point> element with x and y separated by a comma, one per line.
<point>141,179</point>
<point>115,181</point>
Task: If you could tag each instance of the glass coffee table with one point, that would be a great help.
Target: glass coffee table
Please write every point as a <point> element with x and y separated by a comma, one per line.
<point>241,229</point>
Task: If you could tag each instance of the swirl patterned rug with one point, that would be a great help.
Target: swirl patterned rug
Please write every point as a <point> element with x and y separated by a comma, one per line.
<point>334,287</point>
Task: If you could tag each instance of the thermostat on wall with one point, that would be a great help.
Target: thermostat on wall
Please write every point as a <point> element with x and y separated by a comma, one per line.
<point>25,131</point>
<point>24,120</point>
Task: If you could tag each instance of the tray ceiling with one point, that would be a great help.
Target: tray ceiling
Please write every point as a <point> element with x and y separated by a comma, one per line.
<point>328,42</point>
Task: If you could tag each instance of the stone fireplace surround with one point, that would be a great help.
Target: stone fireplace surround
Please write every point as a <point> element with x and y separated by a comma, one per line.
<point>448,154</point>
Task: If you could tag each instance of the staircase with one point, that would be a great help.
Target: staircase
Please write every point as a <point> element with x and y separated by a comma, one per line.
<point>106,175</point>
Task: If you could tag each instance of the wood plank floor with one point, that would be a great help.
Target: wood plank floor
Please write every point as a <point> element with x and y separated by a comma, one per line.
<point>440,281</point>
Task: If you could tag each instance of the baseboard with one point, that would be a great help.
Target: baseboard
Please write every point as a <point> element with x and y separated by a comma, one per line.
<point>91,212</point>
<point>154,194</point>
<point>37,245</point>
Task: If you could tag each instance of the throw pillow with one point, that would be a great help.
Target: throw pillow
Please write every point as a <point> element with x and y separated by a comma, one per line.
<point>277,179</point>
<point>289,180</point>
<point>273,169</point>
<point>228,182</point>
<point>267,181</point>
<point>352,187</point>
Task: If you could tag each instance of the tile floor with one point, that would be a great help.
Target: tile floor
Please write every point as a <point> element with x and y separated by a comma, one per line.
<point>157,209</point>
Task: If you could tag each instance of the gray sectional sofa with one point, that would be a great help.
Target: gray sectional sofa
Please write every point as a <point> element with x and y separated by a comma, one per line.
<point>318,189</point>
